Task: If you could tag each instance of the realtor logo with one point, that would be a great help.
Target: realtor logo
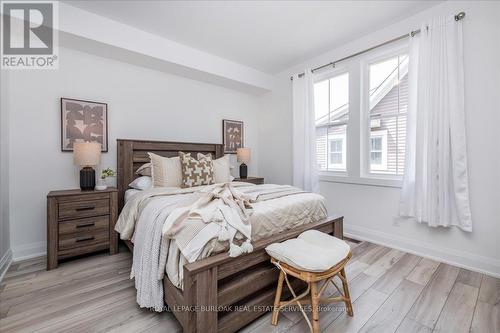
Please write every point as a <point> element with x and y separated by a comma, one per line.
<point>29,35</point>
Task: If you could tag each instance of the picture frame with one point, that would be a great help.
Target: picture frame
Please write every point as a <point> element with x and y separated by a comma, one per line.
<point>232,135</point>
<point>83,121</point>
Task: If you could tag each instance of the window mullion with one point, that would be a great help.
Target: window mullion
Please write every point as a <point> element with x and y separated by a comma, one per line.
<point>353,133</point>
<point>328,149</point>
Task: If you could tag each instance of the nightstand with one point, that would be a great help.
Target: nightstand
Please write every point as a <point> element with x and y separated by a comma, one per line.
<point>80,222</point>
<point>253,180</point>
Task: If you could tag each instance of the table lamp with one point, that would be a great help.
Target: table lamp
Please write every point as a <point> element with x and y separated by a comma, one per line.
<point>87,155</point>
<point>243,156</point>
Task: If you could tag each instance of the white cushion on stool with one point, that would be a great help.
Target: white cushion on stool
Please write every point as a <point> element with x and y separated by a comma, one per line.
<point>312,251</point>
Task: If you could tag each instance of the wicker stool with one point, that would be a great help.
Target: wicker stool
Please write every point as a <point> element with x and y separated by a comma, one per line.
<point>289,258</point>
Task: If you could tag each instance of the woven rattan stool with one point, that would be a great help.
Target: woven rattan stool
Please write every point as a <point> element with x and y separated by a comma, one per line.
<point>317,283</point>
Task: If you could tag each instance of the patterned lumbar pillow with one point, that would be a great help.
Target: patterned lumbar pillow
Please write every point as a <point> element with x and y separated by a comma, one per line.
<point>194,172</point>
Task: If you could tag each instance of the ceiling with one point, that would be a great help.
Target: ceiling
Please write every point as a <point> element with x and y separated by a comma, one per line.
<point>269,36</point>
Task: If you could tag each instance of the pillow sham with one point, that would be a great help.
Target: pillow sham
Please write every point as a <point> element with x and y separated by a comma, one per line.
<point>142,183</point>
<point>194,172</point>
<point>165,171</point>
<point>222,167</point>
<point>144,170</point>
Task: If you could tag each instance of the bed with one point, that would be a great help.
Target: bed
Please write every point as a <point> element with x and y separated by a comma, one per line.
<point>219,283</point>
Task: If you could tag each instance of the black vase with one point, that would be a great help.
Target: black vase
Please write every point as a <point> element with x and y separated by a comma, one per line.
<point>243,171</point>
<point>87,179</point>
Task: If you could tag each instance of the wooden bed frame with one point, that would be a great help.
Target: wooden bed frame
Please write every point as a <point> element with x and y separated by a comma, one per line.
<point>220,294</point>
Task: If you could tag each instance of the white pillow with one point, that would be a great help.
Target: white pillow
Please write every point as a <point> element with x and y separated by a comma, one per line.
<point>166,171</point>
<point>142,183</point>
<point>222,167</point>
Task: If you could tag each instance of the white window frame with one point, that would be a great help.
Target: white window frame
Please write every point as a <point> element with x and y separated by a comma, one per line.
<point>358,129</point>
<point>337,166</point>
<point>341,171</point>
<point>365,127</point>
<point>382,134</point>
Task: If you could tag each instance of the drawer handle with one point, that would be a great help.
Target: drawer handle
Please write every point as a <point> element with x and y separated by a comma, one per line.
<point>85,225</point>
<point>83,239</point>
<point>85,208</point>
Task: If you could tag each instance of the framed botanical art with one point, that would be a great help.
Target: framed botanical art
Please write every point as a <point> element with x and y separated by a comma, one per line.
<point>232,135</point>
<point>83,121</point>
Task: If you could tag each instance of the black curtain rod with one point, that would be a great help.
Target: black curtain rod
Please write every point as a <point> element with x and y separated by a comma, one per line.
<point>458,17</point>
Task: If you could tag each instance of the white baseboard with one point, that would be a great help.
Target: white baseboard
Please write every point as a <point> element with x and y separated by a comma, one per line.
<point>5,262</point>
<point>28,251</point>
<point>486,265</point>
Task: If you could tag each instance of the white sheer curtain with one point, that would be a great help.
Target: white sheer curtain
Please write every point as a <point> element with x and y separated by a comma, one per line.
<point>305,168</point>
<point>435,186</point>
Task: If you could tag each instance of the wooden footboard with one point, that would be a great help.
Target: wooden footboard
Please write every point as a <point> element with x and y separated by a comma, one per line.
<point>223,294</point>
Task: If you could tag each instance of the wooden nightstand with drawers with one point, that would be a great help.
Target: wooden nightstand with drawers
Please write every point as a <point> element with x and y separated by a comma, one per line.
<point>80,222</point>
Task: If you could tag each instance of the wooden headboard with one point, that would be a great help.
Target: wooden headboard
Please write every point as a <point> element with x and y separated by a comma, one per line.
<point>134,153</point>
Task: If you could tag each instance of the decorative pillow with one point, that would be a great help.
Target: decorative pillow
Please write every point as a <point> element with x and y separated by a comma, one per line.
<point>165,171</point>
<point>142,183</point>
<point>222,167</point>
<point>144,170</point>
<point>194,172</point>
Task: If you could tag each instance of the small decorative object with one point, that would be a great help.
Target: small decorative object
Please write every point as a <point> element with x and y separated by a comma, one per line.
<point>101,185</point>
<point>87,155</point>
<point>243,156</point>
<point>83,121</point>
<point>232,135</point>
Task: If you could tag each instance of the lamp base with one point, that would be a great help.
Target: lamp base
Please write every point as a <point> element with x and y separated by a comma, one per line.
<point>87,179</point>
<point>243,171</point>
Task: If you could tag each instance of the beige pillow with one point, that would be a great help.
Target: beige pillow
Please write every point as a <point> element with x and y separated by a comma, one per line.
<point>144,170</point>
<point>222,167</point>
<point>165,171</point>
<point>194,172</point>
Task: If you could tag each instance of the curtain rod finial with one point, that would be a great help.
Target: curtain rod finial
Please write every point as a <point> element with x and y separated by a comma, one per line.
<point>459,16</point>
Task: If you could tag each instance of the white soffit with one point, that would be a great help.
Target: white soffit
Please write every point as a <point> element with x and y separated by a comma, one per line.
<point>99,35</point>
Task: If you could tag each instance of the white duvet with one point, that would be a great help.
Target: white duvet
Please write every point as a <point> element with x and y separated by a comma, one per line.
<point>146,215</point>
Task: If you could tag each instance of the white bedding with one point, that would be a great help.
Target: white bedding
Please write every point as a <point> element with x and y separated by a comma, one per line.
<point>268,217</point>
<point>130,193</point>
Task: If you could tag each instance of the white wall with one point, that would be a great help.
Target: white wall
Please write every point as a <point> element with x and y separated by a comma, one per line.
<point>142,104</point>
<point>370,211</point>
<point>5,252</point>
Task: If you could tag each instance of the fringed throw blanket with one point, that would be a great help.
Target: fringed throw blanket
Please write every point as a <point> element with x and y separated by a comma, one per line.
<point>197,221</point>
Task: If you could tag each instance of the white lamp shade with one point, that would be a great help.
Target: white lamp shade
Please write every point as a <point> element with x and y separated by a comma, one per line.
<point>243,155</point>
<point>87,153</point>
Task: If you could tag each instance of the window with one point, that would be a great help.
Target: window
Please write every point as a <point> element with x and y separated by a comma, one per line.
<point>331,107</point>
<point>378,150</point>
<point>336,151</point>
<point>388,103</point>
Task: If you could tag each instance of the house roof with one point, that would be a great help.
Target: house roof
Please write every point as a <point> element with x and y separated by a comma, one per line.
<point>339,116</point>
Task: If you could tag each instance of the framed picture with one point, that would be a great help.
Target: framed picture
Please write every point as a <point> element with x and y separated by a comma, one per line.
<point>232,135</point>
<point>83,121</point>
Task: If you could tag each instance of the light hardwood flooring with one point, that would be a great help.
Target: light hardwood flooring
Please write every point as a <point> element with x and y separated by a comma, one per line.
<point>392,291</point>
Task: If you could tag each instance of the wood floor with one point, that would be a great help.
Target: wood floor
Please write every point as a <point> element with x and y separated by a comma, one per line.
<point>392,291</point>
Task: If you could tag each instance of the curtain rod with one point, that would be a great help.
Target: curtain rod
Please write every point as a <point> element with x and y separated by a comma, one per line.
<point>458,17</point>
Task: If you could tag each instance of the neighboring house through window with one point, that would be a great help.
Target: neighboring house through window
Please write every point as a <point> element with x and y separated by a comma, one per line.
<point>331,106</point>
<point>388,103</point>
